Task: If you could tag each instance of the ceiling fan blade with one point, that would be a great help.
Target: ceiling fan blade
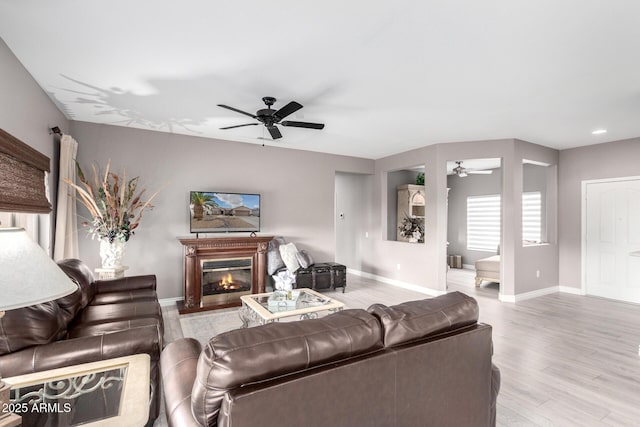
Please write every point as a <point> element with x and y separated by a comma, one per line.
<point>275,132</point>
<point>237,111</point>
<point>239,126</point>
<point>291,107</point>
<point>481,172</point>
<point>303,125</point>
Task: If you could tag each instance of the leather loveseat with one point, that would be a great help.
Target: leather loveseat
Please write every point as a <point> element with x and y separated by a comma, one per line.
<point>419,363</point>
<point>103,319</point>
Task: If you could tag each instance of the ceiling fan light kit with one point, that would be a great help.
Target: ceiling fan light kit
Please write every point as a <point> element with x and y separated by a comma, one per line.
<point>270,117</point>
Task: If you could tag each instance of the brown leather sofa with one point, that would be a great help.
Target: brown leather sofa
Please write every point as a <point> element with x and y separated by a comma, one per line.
<point>103,319</point>
<point>419,363</point>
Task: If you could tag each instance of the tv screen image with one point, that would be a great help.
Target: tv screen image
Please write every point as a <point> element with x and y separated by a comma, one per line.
<point>212,212</point>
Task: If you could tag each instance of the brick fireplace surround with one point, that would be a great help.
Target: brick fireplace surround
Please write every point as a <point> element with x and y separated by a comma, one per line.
<point>197,250</point>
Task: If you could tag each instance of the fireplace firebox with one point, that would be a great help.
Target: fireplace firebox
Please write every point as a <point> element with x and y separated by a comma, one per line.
<point>225,280</point>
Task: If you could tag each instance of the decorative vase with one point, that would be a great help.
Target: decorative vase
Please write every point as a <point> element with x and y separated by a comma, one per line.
<point>111,253</point>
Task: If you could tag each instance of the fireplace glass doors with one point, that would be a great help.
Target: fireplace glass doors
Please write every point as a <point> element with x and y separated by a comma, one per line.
<point>225,280</point>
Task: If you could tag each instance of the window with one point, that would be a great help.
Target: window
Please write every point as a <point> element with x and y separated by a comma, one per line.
<point>483,223</point>
<point>483,220</point>
<point>532,217</point>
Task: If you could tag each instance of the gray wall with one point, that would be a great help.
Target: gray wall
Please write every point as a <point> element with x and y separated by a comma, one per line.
<point>297,189</point>
<point>602,161</point>
<point>27,113</point>
<point>461,188</point>
<point>425,265</point>
<point>353,199</point>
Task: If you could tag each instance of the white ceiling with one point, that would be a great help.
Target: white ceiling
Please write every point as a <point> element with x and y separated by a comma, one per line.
<point>384,77</point>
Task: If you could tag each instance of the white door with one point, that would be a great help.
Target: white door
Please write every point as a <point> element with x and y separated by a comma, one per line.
<point>613,239</point>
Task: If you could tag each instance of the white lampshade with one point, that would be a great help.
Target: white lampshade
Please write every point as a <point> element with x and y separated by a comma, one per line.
<point>27,275</point>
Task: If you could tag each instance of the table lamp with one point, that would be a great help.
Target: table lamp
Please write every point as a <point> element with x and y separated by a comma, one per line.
<point>28,276</point>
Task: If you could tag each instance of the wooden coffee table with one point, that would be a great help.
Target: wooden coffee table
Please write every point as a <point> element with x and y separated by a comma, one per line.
<point>309,303</point>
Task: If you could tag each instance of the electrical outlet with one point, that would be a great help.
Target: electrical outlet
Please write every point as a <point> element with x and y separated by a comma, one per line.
<point>538,274</point>
<point>366,234</point>
<point>398,266</point>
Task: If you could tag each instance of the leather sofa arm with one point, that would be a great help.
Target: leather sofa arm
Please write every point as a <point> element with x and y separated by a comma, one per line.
<point>126,284</point>
<point>58,354</point>
<point>178,363</point>
<point>495,389</point>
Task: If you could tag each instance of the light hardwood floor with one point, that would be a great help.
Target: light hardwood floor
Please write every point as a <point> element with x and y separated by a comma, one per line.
<point>565,360</point>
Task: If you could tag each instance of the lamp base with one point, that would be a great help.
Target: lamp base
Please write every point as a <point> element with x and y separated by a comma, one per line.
<point>10,420</point>
<point>7,419</point>
<point>4,398</point>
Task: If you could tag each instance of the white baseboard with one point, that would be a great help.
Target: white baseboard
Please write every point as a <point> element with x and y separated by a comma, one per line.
<point>571,290</point>
<point>529,295</point>
<point>169,301</point>
<point>432,292</point>
<point>398,283</point>
<point>541,292</point>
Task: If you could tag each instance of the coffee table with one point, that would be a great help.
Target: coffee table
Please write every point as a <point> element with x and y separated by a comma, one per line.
<point>255,307</point>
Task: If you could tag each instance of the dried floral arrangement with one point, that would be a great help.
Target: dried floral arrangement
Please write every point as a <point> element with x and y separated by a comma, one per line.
<point>412,228</point>
<point>115,204</point>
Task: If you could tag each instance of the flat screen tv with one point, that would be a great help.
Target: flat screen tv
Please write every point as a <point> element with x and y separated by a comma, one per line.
<point>212,212</point>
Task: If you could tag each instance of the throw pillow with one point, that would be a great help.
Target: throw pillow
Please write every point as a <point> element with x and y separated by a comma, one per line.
<point>288,253</point>
<point>274,259</point>
<point>304,259</point>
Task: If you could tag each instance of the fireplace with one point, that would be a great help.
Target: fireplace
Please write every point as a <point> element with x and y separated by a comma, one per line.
<point>225,280</point>
<point>218,271</point>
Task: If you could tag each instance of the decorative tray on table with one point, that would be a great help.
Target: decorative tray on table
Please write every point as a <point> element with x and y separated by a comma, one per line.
<point>282,300</point>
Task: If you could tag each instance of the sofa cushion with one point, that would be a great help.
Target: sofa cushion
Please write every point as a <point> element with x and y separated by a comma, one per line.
<point>248,355</point>
<point>83,330</point>
<point>34,325</point>
<point>491,263</point>
<point>136,295</point>
<point>95,314</point>
<point>80,273</point>
<point>418,319</point>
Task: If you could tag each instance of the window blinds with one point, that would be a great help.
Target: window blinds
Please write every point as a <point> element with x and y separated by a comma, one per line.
<point>22,177</point>
<point>532,217</point>
<point>483,223</point>
<point>483,220</point>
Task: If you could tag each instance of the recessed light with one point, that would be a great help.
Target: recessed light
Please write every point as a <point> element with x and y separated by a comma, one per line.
<point>599,131</point>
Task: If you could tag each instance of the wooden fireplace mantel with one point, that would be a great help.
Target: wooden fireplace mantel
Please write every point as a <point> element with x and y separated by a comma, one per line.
<point>198,249</point>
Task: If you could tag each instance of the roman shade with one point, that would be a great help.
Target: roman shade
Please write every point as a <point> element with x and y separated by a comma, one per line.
<point>22,174</point>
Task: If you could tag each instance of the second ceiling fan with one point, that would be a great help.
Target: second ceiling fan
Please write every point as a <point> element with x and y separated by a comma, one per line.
<point>270,117</point>
<point>461,171</point>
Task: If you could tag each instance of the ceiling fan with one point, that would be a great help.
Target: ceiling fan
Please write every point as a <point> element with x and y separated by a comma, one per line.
<point>462,171</point>
<point>269,117</point>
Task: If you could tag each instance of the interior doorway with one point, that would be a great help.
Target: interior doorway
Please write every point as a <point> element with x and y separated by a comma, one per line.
<point>474,216</point>
<point>611,238</point>
<point>352,223</point>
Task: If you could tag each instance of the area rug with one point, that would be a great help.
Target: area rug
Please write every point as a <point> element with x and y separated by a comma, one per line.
<point>204,326</point>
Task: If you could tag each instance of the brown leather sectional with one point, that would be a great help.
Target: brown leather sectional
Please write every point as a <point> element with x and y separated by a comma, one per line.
<point>420,363</point>
<point>103,319</point>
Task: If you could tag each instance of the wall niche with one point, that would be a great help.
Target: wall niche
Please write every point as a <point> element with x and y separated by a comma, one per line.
<point>405,198</point>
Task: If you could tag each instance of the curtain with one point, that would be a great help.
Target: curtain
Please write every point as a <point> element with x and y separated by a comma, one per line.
<point>66,238</point>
